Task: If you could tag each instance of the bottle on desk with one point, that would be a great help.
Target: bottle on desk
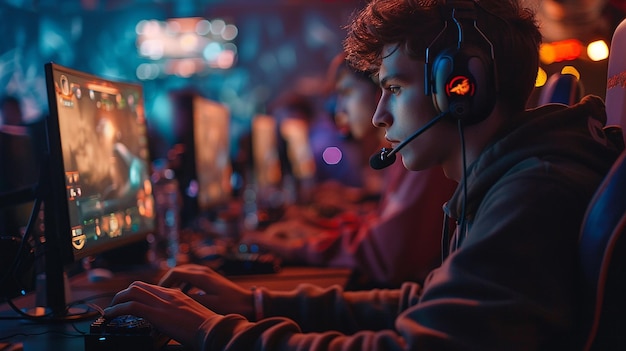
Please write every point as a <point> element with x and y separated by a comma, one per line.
<point>164,243</point>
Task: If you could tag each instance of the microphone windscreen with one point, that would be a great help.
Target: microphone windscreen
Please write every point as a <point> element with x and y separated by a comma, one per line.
<point>381,159</point>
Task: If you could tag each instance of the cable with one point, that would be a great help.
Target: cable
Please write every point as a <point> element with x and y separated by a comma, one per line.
<point>20,252</point>
<point>80,334</point>
<point>461,222</point>
<point>92,311</point>
<point>49,317</point>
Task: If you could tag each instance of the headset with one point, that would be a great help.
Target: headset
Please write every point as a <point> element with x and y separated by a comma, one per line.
<point>463,84</point>
<point>462,79</point>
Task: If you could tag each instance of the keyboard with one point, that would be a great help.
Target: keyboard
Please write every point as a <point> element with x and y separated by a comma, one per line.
<point>124,333</point>
<point>249,263</point>
<point>242,260</point>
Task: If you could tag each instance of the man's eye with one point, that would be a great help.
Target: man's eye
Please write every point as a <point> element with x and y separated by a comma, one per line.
<point>394,89</point>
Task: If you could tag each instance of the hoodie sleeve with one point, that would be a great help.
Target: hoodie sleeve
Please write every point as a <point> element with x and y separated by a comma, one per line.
<point>314,318</point>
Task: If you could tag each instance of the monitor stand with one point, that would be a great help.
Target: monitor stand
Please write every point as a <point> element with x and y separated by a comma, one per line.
<point>57,254</point>
<point>51,282</point>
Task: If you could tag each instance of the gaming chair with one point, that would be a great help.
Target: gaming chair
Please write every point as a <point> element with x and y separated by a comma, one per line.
<point>562,88</point>
<point>602,250</point>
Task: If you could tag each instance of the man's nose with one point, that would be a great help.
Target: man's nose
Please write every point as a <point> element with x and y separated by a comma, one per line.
<point>382,118</point>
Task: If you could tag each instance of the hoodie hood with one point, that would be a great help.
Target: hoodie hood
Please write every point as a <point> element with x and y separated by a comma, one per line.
<point>552,131</point>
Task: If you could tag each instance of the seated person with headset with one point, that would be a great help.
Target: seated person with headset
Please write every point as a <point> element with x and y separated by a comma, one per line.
<point>509,280</point>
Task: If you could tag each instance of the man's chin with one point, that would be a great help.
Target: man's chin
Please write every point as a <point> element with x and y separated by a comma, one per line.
<point>408,164</point>
<point>413,164</point>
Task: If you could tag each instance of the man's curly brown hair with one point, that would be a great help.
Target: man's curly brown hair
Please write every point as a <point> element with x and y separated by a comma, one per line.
<point>414,24</point>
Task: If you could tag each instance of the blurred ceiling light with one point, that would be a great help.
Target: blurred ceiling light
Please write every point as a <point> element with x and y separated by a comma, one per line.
<point>211,51</point>
<point>332,155</point>
<point>547,53</point>
<point>542,77</point>
<point>572,49</point>
<point>188,42</point>
<point>152,49</point>
<point>217,26</point>
<point>230,32</point>
<point>598,50</point>
<point>148,71</point>
<point>564,50</point>
<point>225,60</point>
<point>173,27</point>
<point>203,27</point>
<point>187,46</point>
<point>571,70</point>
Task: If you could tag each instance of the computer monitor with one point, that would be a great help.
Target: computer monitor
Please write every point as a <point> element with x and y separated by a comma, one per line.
<point>203,131</point>
<point>212,149</point>
<point>295,133</point>
<point>98,195</point>
<point>265,155</point>
<point>284,165</point>
<point>272,192</point>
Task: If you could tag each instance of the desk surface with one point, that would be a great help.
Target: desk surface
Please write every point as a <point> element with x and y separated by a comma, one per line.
<point>37,336</point>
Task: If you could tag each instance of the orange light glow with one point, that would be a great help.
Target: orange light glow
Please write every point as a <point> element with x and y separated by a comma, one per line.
<point>565,50</point>
<point>571,70</point>
<point>542,77</point>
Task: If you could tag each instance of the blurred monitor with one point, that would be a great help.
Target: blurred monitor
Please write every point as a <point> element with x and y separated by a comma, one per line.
<point>281,150</point>
<point>212,148</point>
<point>267,170</point>
<point>266,159</point>
<point>204,173</point>
<point>99,195</point>
<point>294,132</point>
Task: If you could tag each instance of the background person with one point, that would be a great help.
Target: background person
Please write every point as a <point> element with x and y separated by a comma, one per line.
<point>396,239</point>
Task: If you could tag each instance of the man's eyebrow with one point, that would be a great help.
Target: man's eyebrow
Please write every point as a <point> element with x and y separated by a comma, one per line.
<point>389,77</point>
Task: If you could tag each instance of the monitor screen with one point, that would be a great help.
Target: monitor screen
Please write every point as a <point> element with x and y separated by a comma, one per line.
<point>100,183</point>
<point>295,133</point>
<point>284,165</point>
<point>266,158</point>
<point>212,145</point>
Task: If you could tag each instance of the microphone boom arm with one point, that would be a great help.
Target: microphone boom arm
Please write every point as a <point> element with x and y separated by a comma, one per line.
<point>386,156</point>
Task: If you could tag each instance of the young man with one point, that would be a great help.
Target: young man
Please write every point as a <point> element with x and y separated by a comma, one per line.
<point>526,177</point>
<point>391,241</point>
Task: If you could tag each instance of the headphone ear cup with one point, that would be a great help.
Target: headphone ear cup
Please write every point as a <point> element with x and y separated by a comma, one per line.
<point>463,84</point>
<point>443,65</point>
